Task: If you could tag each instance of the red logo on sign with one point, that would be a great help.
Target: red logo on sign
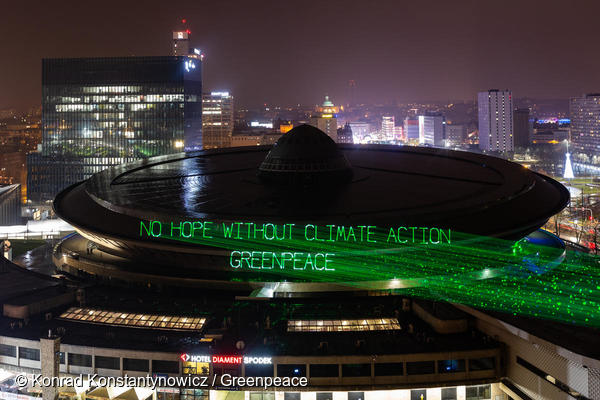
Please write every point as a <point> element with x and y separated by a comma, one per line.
<point>227,359</point>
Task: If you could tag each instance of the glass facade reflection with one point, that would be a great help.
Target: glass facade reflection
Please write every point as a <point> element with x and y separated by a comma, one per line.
<point>99,112</point>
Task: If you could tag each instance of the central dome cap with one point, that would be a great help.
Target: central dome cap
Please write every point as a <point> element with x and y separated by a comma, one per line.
<point>305,155</point>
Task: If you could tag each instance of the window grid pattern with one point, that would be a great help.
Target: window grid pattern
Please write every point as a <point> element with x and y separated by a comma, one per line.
<point>148,321</point>
<point>345,325</point>
<point>101,112</point>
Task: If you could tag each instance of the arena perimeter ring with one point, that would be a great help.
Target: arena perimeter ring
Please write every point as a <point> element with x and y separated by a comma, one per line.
<point>307,215</point>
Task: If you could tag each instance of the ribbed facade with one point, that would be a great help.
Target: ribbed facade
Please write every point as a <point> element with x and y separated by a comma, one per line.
<point>496,121</point>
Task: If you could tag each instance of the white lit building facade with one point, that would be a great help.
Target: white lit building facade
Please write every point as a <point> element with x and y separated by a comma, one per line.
<point>432,129</point>
<point>217,120</point>
<point>496,121</point>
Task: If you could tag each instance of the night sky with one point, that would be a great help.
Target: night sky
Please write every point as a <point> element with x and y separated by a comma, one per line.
<point>288,51</point>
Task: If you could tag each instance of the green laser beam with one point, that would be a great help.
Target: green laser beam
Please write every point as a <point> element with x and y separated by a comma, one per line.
<point>522,278</point>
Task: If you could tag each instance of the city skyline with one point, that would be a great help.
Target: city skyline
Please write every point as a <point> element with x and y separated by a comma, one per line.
<point>394,52</point>
<point>299,200</point>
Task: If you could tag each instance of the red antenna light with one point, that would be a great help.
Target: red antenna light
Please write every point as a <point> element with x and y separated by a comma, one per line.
<point>188,31</point>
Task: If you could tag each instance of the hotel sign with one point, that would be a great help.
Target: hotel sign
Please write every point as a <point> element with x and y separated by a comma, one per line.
<point>225,359</point>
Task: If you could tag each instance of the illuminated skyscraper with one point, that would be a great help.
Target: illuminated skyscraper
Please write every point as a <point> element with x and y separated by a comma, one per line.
<point>432,130</point>
<point>217,120</point>
<point>325,118</point>
<point>496,120</point>
<point>585,126</point>
<point>99,112</point>
<point>388,128</point>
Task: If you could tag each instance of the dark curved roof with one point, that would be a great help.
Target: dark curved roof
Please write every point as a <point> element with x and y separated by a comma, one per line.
<point>305,142</point>
<point>305,155</point>
<point>391,185</point>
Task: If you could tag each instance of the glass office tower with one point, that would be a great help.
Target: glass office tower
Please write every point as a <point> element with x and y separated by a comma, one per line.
<point>99,112</point>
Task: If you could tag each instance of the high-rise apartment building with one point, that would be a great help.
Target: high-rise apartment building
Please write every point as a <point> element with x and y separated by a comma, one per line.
<point>585,125</point>
<point>99,112</point>
<point>432,129</point>
<point>496,120</point>
<point>217,120</point>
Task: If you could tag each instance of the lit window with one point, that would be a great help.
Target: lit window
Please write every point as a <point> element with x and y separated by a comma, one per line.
<point>346,325</point>
<point>148,321</point>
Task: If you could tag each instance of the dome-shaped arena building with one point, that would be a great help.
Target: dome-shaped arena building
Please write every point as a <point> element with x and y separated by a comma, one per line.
<point>336,271</point>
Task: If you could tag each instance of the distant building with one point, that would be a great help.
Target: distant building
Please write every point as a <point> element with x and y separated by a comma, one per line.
<point>360,130</point>
<point>270,138</point>
<point>411,129</point>
<point>523,127</point>
<point>241,139</point>
<point>496,120</point>
<point>351,93</point>
<point>10,205</point>
<point>328,107</point>
<point>344,135</point>
<point>432,129</point>
<point>550,131</point>
<point>181,43</point>
<point>326,124</point>
<point>399,133</point>
<point>325,118</point>
<point>217,120</point>
<point>13,170</point>
<point>455,134</point>
<point>585,125</point>
<point>283,126</point>
<point>99,112</point>
<point>388,127</point>
<point>15,144</point>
